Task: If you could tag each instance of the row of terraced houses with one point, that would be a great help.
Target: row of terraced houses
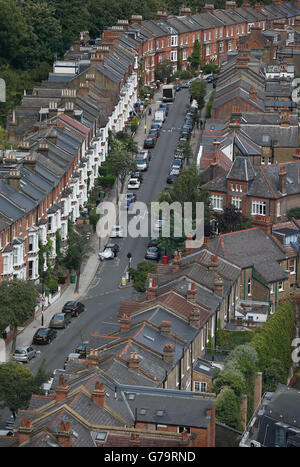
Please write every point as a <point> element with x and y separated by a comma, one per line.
<point>62,127</point>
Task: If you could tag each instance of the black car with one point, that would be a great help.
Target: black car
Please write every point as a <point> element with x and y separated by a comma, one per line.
<point>177,163</point>
<point>73,307</point>
<point>82,349</point>
<point>153,253</point>
<point>44,336</point>
<point>185,134</point>
<point>177,87</point>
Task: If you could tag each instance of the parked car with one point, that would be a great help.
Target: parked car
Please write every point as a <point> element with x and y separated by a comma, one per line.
<point>44,336</point>
<point>185,134</point>
<point>149,143</point>
<point>72,356</point>
<point>175,170</point>
<point>153,253</point>
<point>109,251</point>
<point>152,136</point>
<point>24,353</point>
<point>117,231</point>
<point>177,162</point>
<point>164,106</point>
<point>153,242</point>
<point>172,177</point>
<point>73,307</point>
<point>156,126</point>
<point>154,131</point>
<point>133,184</point>
<point>82,349</point>
<point>186,84</point>
<point>177,87</point>
<point>140,177</point>
<point>10,423</point>
<point>60,320</point>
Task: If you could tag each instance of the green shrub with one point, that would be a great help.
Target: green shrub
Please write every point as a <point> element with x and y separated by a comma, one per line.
<point>228,409</point>
<point>108,181</point>
<point>140,275</point>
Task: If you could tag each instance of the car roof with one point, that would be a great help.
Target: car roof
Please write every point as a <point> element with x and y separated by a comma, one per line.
<point>22,347</point>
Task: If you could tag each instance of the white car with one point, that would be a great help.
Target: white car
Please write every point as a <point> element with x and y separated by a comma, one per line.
<point>134,183</point>
<point>117,231</point>
<point>110,251</point>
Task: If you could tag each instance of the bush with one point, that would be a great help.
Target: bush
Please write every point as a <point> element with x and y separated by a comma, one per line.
<point>103,170</point>
<point>228,409</point>
<point>140,275</point>
<point>107,181</point>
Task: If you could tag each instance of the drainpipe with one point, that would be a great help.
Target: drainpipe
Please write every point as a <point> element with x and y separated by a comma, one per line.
<point>263,283</point>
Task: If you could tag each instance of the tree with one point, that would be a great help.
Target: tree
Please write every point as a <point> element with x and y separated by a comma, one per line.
<point>231,219</point>
<point>164,70</point>
<point>18,299</point>
<point>228,409</point>
<point>195,59</point>
<point>16,386</point>
<point>198,91</point>
<point>121,162</point>
<point>140,275</point>
<point>76,250</point>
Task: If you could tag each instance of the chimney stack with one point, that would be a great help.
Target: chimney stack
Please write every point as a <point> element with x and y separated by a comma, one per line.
<point>14,179</point>
<point>24,431</point>
<point>99,394</point>
<point>134,361</point>
<point>282,180</point>
<point>176,261</point>
<point>194,318</point>
<point>168,353</point>
<point>92,358</point>
<point>124,323</point>
<point>165,328</point>
<point>219,286</point>
<point>213,263</point>
<point>64,436</point>
<point>191,292</point>
<point>62,389</point>
<point>152,288</point>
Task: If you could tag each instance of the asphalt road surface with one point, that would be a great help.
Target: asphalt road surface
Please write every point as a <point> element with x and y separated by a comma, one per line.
<point>103,297</point>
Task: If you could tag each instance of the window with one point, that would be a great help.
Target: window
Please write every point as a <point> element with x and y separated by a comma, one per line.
<point>231,33</point>
<point>204,36</point>
<point>229,47</point>
<point>221,46</point>
<point>216,34</point>
<point>272,288</point>
<point>174,56</point>
<point>262,160</point>
<point>249,287</point>
<point>221,33</point>
<point>184,57</point>
<point>278,209</point>
<point>207,50</point>
<point>259,207</point>
<point>237,202</point>
<point>216,202</point>
<point>162,44</point>
<point>6,264</point>
<point>292,266</point>
<point>280,286</point>
<point>209,35</point>
<point>30,243</point>
<point>174,41</point>
<point>200,386</point>
<point>280,436</point>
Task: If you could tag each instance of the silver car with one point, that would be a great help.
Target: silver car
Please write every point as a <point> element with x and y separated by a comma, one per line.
<point>24,354</point>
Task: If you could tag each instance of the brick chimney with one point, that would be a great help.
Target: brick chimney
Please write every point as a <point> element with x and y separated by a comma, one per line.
<point>194,318</point>
<point>230,5</point>
<point>62,389</point>
<point>83,89</point>
<point>282,180</point>
<point>93,358</point>
<point>25,431</point>
<point>64,436</point>
<point>263,222</point>
<point>213,263</point>
<point>99,394</point>
<point>134,439</point>
<point>296,154</point>
<point>207,7</point>
<point>134,361</point>
<point>161,15</point>
<point>14,179</point>
<point>97,59</point>
<point>191,293</point>
<point>257,389</point>
<point>165,328</point>
<point>136,19</point>
<point>176,261</point>
<point>152,288</point>
<point>43,147</point>
<point>168,353</point>
<point>258,6</point>
<point>185,12</point>
<point>218,286</point>
<point>285,118</point>
<point>124,323</point>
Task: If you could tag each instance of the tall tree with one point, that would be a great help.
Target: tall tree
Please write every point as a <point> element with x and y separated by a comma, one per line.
<point>195,59</point>
<point>18,299</point>
<point>198,91</point>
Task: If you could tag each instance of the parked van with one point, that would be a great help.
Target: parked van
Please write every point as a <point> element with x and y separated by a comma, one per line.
<point>142,162</point>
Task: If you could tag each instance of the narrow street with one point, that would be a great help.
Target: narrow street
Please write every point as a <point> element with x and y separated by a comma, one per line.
<point>104,295</point>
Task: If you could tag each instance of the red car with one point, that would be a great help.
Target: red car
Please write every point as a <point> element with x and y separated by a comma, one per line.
<point>149,143</point>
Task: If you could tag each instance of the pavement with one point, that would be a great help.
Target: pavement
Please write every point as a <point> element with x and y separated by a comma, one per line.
<point>91,265</point>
